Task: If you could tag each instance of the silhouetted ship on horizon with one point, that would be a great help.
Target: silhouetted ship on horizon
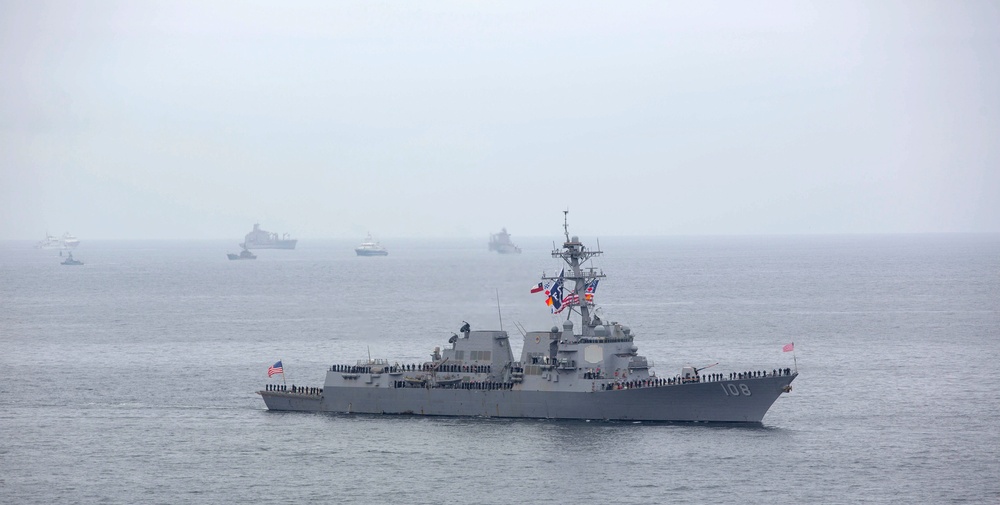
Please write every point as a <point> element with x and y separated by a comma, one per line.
<point>262,239</point>
<point>501,243</point>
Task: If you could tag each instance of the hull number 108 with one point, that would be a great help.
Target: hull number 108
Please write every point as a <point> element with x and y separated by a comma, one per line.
<point>735,390</point>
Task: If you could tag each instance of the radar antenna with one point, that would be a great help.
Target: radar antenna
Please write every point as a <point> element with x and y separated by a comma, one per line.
<point>566,223</point>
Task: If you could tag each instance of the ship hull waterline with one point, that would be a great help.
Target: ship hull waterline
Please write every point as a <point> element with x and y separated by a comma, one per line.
<point>723,401</point>
<point>280,244</point>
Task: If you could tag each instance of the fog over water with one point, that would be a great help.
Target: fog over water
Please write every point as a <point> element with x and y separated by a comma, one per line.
<point>193,120</point>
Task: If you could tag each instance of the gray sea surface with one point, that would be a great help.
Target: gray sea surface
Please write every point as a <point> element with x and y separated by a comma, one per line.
<point>132,378</point>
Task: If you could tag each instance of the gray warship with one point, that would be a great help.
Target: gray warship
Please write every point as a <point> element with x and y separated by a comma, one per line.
<point>71,261</point>
<point>262,239</point>
<point>245,254</point>
<point>501,243</point>
<point>586,370</point>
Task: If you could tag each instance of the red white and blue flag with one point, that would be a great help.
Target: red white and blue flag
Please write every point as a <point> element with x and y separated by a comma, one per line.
<point>571,299</point>
<point>555,294</point>
<point>275,369</point>
<point>567,301</point>
<point>537,289</point>
<point>591,289</point>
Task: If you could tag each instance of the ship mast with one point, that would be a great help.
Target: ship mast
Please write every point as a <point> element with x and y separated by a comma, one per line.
<point>574,253</point>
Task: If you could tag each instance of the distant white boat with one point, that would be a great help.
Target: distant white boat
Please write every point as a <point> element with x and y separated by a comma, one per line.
<point>370,248</point>
<point>69,241</point>
<point>66,242</point>
<point>50,242</point>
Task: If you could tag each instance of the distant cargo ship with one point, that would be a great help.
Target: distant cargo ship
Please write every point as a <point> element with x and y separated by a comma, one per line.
<point>262,239</point>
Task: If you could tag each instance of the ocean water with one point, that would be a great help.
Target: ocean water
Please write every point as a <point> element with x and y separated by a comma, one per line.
<point>131,379</point>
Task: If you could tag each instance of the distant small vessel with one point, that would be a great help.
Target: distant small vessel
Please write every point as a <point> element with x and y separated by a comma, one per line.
<point>69,241</point>
<point>50,242</point>
<point>501,243</point>
<point>243,255</point>
<point>262,239</point>
<point>71,261</point>
<point>66,242</point>
<point>370,248</point>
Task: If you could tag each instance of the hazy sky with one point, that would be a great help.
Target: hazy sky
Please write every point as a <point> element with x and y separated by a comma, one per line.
<point>410,119</point>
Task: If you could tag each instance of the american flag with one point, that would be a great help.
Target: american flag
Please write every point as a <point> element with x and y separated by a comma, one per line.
<point>275,368</point>
<point>570,299</point>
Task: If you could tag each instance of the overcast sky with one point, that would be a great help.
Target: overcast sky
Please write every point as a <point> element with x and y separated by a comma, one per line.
<point>410,119</point>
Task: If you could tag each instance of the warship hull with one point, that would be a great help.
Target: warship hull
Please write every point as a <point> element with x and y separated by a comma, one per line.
<point>727,401</point>
<point>505,249</point>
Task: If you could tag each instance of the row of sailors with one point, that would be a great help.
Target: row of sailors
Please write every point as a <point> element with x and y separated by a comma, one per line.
<point>426,367</point>
<point>713,377</point>
<point>652,382</point>
<point>778,372</point>
<point>634,384</point>
<point>295,389</point>
<point>486,386</point>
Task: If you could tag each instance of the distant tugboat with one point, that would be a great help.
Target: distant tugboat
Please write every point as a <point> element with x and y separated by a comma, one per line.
<point>261,239</point>
<point>70,261</point>
<point>243,255</point>
<point>500,242</point>
<point>370,248</point>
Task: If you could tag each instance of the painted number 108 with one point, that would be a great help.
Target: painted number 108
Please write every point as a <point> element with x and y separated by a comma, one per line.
<point>734,390</point>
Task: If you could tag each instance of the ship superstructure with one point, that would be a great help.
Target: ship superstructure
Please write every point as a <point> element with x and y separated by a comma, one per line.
<point>586,370</point>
